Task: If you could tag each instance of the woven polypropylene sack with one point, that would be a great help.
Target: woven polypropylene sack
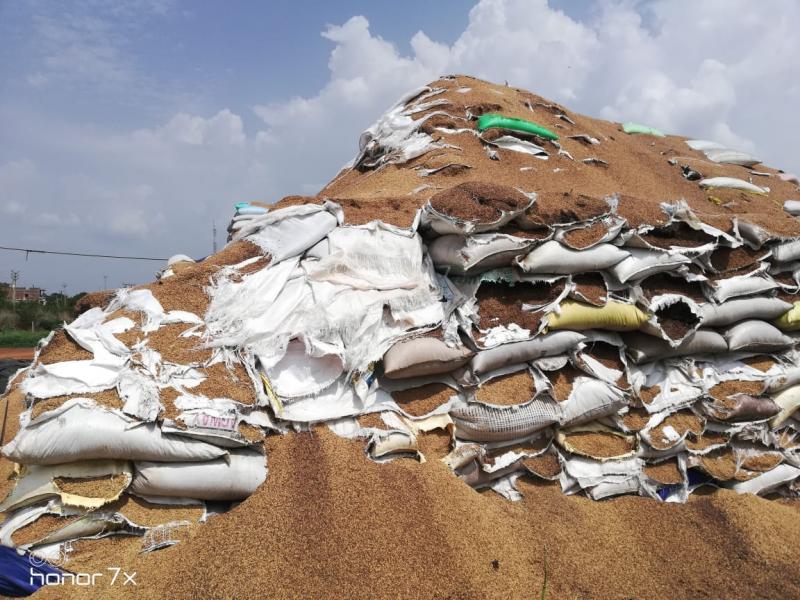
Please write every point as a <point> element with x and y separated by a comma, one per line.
<point>552,257</point>
<point>423,356</point>
<point>482,423</point>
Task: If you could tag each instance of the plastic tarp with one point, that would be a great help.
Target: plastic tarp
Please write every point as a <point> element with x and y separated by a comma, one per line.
<point>22,575</point>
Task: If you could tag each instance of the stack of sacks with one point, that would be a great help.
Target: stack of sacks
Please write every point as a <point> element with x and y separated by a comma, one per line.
<point>652,359</point>
<point>122,440</point>
<point>449,296</point>
<point>243,213</point>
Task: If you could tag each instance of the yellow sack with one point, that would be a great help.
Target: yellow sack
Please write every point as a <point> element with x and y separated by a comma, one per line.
<point>790,321</point>
<point>789,401</point>
<point>614,316</point>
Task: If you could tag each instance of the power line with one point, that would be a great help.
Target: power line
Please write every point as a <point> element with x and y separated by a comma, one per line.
<point>32,251</point>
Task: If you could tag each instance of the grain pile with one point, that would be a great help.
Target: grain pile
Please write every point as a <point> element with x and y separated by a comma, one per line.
<point>556,317</point>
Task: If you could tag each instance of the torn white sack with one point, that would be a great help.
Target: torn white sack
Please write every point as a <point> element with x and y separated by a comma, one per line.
<point>81,430</point>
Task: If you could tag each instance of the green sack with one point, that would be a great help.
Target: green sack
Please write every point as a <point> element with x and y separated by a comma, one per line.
<point>644,129</point>
<point>492,120</point>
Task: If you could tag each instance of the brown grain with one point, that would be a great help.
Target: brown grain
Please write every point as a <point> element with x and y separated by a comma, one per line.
<point>698,443</point>
<point>501,304</point>
<point>251,433</point>
<point>736,386</point>
<point>62,348</point>
<point>636,419</point>
<point>663,283</point>
<point>96,555</point>
<point>395,528</point>
<point>40,528</point>
<point>223,382</point>
<point>761,362</point>
<point>648,394</point>
<point>720,464</point>
<point>372,420</point>
<point>666,472</point>
<point>562,380</point>
<point>148,514</point>
<point>583,237</point>
<point>507,390</point>
<point>760,461</point>
<point>91,300</point>
<point>682,422</point>
<point>638,212</point>
<point>513,228</point>
<point>562,208</point>
<point>11,407</point>
<point>105,486</point>
<point>167,397</point>
<point>166,341</point>
<point>545,465</point>
<point>422,400</point>
<point>677,233</point>
<point>676,320</point>
<point>606,354</point>
<point>434,445</point>
<point>478,201</point>
<point>108,398</point>
<point>599,444</point>
<point>725,259</point>
<point>591,288</point>
<point>257,265</point>
<point>186,290</point>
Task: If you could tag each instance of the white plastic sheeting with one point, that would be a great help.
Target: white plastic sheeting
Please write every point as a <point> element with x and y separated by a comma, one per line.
<point>110,364</point>
<point>289,232</point>
<point>395,137</point>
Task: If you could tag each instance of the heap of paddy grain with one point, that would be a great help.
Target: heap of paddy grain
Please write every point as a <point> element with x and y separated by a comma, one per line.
<point>605,307</point>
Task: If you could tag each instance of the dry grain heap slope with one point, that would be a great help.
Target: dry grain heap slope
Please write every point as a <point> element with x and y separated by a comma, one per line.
<point>609,311</point>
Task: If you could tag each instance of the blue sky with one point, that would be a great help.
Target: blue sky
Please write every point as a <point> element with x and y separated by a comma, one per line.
<point>129,126</point>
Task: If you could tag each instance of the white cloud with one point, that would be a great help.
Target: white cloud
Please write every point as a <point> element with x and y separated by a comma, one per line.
<point>12,208</point>
<point>84,44</point>
<point>722,69</point>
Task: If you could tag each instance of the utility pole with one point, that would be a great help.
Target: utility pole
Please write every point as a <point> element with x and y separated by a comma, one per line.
<point>14,278</point>
<point>64,294</point>
<point>105,282</point>
<point>214,236</point>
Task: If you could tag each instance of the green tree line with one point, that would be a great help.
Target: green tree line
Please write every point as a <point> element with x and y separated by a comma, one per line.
<point>34,316</point>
